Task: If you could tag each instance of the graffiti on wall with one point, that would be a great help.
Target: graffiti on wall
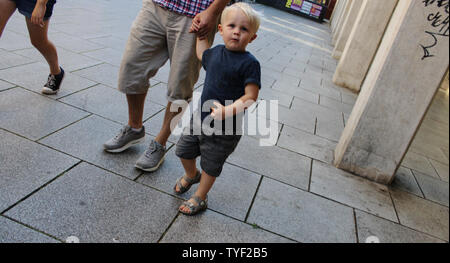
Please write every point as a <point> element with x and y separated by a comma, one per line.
<point>439,21</point>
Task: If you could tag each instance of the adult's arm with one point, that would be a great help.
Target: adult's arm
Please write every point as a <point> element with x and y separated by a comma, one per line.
<point>204,22</point>
<point>37,17</point>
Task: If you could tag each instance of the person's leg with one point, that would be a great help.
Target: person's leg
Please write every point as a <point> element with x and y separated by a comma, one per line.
<point>190,168</point>
<point>166,130</point>
<point>135,109</point>
<point>7,8</point>
<point>40,41</point>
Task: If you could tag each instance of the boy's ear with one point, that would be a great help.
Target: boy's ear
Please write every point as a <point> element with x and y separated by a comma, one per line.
<point>253,38</point>
<point>219,27</point>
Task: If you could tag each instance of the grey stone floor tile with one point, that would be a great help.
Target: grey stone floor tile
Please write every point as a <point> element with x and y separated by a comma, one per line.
<point>387,231</point>
<point>10,59</point>
<point>231,194</point>
<point>419,163</point>
<point>404,180</point>
<point>355,191</point>
<point>430,151</point>
<point>26,167</point>
<point>14,41</point>
<point>108,102</point>
<point>69,60</point>
<point>422,215</point>
<point>97,206</point>
<point>5,85</point>
<point>442,170</point>
<point>158,94</point>
<point>34,116</point>
<point>105,74</point>
<point>154,124</point>
<point>212,227</point>
<point>330,126</point>
<point>265,160</point>
<point>72,43</point>
<point>296,91</point>
<point>300,215</point>
<point>335,105</point>
<point>349,98</point>
<point>110,41</point>
<point>107,55</point>
<point>92,132</point>
<point>12,232</point>
<point>36,76</point>
<point>307,144</point>
<point>271,94</point>
<point>433,189</point>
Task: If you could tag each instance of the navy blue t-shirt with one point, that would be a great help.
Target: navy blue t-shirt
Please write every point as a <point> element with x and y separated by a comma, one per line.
<point>227,74</point>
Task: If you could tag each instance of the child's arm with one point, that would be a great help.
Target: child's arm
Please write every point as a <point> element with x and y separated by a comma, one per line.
<point>202,45</point>
<point>244,102</point>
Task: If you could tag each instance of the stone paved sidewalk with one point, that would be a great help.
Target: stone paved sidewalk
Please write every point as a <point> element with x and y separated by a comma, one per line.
<point>56,181</point>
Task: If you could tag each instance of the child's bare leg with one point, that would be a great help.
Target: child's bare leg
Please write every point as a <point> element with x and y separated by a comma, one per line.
<point>206,182</point>
<point>191,170</point>
<point>39,39</point>
<point>7,8</point>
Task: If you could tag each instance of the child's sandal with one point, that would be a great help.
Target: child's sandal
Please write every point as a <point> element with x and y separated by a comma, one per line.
<point>195,209</point>
<point>184,189</point>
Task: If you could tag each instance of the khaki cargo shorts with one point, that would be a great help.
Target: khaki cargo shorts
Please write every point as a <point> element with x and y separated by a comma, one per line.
<point>156,36</point>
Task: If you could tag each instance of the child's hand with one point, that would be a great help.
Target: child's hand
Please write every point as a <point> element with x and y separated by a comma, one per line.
<point>218,113</point>
<point>202,24</point>
<point>37,17</point>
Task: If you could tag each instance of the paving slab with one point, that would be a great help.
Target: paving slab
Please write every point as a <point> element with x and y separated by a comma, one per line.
<point>307,144</point>
<point>72,43</point>
<point>104,73</point>
<point>108,102</point>
<point>265,160</point>
<point>422,215</point>
<point>271,94</point>
<point>212,227</point>
<point>97,206</point>
<point>107,55</point>
<point>335,105</point>
<point>93,132</point>
<point>10,59</point>
<point>5,85</point>
<point>14,41</point>
<point>296,91</point>
<point>354,191</point>
<point>441,169</point>
<point>387,231</point>
<point>36,76</point>
<point>111,42</point>
<point>26,167</point>
<point>419,163</point>
<point>300,215</point>
<point>404,180</point>
<point>231,194</point>
<point>68,60</point>
<point>28,114</point>
<point>433,189</point>
<point>12,232</point>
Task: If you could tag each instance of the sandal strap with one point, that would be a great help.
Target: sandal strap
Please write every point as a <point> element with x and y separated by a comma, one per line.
<point>193,209</point>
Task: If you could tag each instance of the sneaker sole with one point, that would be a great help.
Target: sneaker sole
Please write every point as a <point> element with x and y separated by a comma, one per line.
<point>126,146</point>
<point>48,91</point>
<point>151,169</point>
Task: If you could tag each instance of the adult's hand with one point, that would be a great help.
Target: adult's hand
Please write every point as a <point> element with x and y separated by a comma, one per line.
<point>203,23</point>
<point>37,17</point>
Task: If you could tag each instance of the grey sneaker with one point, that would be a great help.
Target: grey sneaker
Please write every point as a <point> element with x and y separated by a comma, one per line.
<point>152,158</point>
<point>124,140</point>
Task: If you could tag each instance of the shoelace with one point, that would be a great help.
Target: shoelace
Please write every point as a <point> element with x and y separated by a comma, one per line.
<point>151,149</point>
<point>51,81</point>
<point>122,132</point>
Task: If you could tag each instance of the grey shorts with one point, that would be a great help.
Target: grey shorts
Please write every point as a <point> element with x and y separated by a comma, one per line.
<point>156,36</point>
<point>213,149</point>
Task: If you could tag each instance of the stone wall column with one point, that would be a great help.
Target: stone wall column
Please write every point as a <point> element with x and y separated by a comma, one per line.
<point>363,43</point>
<point>336,14</point>
<point>341,21</point>
<point>347,28</point>
<point>408,69</point>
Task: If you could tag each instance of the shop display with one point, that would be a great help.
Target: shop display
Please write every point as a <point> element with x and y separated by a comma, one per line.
<point>314,9</point>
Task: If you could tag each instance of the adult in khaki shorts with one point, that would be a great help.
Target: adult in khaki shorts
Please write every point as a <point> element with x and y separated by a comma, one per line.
<point>163,29</point>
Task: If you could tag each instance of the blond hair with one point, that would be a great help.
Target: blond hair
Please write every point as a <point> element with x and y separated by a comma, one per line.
<point>249,12</point>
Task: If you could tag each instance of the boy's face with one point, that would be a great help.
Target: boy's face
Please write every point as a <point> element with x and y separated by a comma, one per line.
<point>236,31</point>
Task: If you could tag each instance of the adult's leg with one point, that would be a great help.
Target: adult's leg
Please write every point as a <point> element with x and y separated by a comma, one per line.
<point>39,39</point>
<point>7,8</point>
<point>166,130</point>
<point>135,109</point>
